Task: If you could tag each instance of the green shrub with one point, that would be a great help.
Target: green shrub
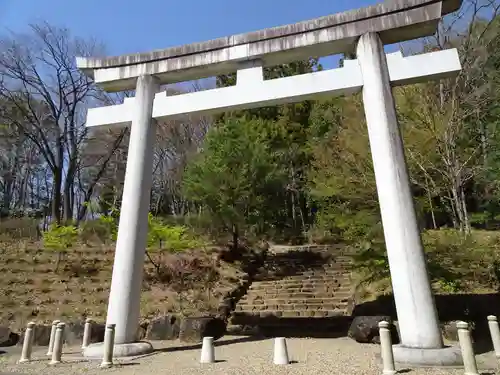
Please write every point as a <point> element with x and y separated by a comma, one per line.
<point>169,238</point>
<point>342,223</point>
<point>60,238</point>
<point>456,263</point>
<point>105,229</point>
<point>202,224</point>
<point>463,263</point>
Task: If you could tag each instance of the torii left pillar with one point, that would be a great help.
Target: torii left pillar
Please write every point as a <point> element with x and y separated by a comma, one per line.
<point>126,284</point>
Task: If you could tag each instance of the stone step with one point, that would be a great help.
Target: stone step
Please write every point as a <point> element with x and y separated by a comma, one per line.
<point>254,316</point>
<point>303,272</point>
<point>302,289</point>
<point>321,290</point>
<point>317,276</point>
<point>318,262</point>
<point>293,307</point>
<point>286,294</point>
<point>285,282</point>
<point>295,287</point>
<point>295,301</point>
<point>307,266</point>
<point>317,259</point>
<point>257,300</point>
<point>325,272</point>
<point>273,300</point>
<point>310,260</point>
<point>282,274</point>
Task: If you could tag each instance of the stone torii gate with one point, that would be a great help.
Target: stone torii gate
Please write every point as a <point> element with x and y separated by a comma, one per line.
<point>363,31</point>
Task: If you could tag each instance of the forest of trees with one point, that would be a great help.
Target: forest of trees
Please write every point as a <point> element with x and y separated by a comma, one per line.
<point>296,172</point>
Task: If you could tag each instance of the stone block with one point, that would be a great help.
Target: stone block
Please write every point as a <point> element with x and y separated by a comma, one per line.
<point>364,329</point>
<point>479,330</point>
<point>290,314</point>
<point>194,329</point>
<point>4,336</point>
<point>166,327</point>
<point>73,333</point>
<point>307,314</point>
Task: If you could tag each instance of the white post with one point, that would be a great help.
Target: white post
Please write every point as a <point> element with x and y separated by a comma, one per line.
<point>28,343</point>
<point>415,307</point>
<point>58,344</point>
<point>87,330</point>
<point>52,336</point>
<point>495,333</point>
<point>124,299</point>
<point>109,342</point>
<point>280,352</point>
<point>386,348</point>
<point>465,339</point>
<point>207,350</point>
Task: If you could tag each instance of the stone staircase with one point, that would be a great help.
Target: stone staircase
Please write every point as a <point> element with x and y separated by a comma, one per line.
<point>303,292</point>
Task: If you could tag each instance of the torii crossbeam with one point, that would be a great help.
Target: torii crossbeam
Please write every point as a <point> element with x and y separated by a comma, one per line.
<point>363,31</point>
<point>252,91</point>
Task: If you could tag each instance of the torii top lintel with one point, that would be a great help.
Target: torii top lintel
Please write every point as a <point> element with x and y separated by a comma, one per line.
<point>394,20</point>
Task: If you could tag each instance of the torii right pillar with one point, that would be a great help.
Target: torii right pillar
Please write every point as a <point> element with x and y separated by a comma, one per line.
<point>421,339</point>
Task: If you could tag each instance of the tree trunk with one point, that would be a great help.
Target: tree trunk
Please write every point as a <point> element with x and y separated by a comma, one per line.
<point>235,237</point>
<point>465,213</point>
<point>56,196</point>
<point>57,181</point>
<point>68,199</point>
<point>90,190</point>
<point>431,206</point>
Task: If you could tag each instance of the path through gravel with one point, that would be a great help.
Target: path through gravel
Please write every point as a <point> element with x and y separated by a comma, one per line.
<point>236,356</point>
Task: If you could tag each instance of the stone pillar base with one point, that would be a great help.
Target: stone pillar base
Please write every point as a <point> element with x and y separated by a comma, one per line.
<point>96,351</point>
<point>415,357</point>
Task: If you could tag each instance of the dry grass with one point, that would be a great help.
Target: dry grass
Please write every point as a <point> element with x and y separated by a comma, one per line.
<point>31,289</point>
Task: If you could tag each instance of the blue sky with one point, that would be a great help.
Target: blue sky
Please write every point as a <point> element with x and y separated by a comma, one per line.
<point>127,26</point>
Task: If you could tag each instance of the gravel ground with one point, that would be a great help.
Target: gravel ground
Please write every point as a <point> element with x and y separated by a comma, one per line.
<point>236,356</point>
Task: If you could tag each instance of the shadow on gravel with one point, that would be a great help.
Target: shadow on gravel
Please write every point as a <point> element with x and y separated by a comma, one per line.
<point>125,364</point>
<point>216,344</point>
<point>273,326</point>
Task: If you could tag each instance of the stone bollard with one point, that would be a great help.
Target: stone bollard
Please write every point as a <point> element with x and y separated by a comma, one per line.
<point>386,349</point>
<point>495,333</point>
<point>58,344</point>
<point>29,336</point>
<point>280,351</point>
<point>52,336</point>
<point>109,342</point>
<point>207,350</point>
<point>465,340</point>
<point>86,333</point>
